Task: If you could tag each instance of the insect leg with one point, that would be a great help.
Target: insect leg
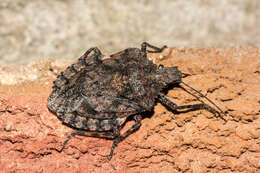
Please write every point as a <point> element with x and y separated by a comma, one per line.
<point>97,54</point>
<point>108,135</point>
<point>201,95</point>
<point>155,49</point>
<point>120,138</point>
<point>168,103</point>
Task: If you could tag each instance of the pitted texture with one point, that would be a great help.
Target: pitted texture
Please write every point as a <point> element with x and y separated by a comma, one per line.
<point>31,136</point>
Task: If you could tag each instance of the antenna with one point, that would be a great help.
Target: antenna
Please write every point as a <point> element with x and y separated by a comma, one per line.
<point>201,95</point>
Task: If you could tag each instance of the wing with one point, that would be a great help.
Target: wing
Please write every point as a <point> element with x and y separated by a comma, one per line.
<point>106,107</point>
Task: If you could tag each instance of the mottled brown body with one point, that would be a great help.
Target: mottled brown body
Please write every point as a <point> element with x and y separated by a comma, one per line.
<point>96,94</point>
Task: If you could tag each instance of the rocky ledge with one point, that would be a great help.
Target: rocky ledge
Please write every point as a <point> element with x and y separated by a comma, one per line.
<point>197,141</point>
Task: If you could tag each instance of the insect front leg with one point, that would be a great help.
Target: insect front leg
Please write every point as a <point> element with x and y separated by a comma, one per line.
<point>120,138</point>
<point>168,103</point>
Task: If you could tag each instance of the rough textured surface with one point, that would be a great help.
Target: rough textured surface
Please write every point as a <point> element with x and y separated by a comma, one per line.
<point>66,28</point>
<point>30,136</point>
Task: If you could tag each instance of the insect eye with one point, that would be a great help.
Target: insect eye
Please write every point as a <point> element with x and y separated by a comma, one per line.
<point>160,66</point>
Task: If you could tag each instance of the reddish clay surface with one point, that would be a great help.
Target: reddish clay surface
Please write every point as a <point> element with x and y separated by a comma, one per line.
<point>31,136</point>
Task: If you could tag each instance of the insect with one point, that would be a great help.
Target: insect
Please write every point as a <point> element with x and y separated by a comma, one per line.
<point>97,94</point>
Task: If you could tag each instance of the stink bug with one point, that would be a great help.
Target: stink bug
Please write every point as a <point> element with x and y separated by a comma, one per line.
<point>97,94</point>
